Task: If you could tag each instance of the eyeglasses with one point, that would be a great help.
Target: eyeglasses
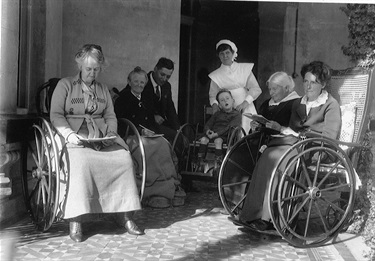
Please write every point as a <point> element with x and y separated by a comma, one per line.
<point>312,83</point>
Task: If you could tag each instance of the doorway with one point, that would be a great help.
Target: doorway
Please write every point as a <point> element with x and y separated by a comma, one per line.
<point>203,24</point>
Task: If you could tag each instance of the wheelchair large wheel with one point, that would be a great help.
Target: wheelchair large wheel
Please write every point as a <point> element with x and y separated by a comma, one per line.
<point>236,171</point>
<point>186,147</point>
<point>40,178</point>
<point>305,192</point>
<point>132,137</point>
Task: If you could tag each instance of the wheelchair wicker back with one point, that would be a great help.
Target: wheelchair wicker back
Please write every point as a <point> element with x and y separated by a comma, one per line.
<point>312,188</point>
<point>44,168</point>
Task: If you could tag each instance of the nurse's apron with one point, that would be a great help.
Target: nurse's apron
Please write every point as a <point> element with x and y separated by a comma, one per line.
<point>235,80</point>
<point>239,96</point>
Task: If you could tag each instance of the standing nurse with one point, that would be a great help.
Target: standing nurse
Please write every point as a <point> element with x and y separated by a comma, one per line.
<point>237,78</point>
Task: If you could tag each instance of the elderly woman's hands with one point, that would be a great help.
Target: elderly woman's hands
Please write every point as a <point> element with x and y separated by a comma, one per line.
<point>289,131</point>
<point>74,138</point>
<point>147,132</point>
<point>273,125</point>
<point>242,106</point>
<point>254,125</point>
<point>110,142</point>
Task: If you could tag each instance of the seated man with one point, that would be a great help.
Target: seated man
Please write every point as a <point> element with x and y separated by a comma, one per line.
<point>219,125</point>
<point>158,92</point>
<point>162,182</point>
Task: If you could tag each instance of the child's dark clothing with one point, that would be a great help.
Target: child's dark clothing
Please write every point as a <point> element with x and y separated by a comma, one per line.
<point>221,122</point>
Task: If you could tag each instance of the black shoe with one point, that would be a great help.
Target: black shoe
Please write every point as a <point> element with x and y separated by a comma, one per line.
<point>236,221</point>
<point>75,231</point>
<point>261,225</point>
<point>133,229</point>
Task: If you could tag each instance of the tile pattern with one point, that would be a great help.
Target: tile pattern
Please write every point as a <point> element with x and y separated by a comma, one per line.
<point>196,231</point>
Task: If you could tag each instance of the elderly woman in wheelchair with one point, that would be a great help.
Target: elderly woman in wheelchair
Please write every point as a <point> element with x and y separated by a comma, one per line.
<point>316,111</point>
<point>162,188</point>
<point>100,169</point>
<point>278,108</point>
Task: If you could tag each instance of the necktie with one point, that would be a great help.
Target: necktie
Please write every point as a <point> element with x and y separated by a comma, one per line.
<point>157,92</point>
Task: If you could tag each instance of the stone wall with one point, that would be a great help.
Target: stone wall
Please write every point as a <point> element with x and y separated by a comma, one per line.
<point>312,31</point>
<point>131,33</point>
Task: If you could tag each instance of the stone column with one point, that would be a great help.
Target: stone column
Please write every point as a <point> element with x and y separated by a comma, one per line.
<point>9,39</point>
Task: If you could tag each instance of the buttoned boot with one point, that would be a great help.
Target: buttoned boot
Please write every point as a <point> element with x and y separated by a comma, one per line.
<point>129,224</point>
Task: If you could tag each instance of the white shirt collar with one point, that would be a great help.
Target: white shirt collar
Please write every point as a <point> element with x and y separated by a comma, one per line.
<point>154,84</point>
<point>322,99</point>
<point>230,68</point>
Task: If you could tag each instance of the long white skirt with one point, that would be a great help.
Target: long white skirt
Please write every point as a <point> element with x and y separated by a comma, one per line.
<point>97,182</point>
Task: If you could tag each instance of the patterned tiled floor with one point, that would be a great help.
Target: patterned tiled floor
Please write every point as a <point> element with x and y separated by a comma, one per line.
<point>196,231</point>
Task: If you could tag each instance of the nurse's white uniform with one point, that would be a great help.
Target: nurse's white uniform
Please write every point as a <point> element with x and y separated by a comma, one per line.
<point>239,80</point>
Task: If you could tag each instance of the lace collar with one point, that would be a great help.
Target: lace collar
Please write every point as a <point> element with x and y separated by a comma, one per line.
<point>138,96</point>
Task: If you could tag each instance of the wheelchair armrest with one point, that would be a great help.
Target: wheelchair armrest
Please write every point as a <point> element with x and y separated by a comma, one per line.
<point>268,131</point>
<point>313,134</point>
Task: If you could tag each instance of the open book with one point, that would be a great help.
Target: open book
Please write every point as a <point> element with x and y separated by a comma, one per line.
<point>256,117</point>
<point>98,139</point>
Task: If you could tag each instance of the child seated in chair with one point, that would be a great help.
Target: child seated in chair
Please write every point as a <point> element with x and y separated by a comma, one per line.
<point>218,127</point>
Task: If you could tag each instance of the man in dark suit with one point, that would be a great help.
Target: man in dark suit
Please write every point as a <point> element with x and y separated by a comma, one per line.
<point>158,90</point>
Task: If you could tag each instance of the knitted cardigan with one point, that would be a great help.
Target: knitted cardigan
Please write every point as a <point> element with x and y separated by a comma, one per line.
<point>67,99</point>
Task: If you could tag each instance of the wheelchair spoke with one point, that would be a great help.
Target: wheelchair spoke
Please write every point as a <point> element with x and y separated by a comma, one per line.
<point>305,171</point>
<point>33,154</point>
<point>296,182</point>
<point>239,167</point>
<point>287,199</point>
<point>332,205</point>
<point>253,159</point>
<point>36,214</point>
<point>345,185</point>
<point>38,147</point>
<point>317,168</point>
<point>43,186</point>
<point>235,184</point>
<point>296,212</point>
<point>321,217</point>
<point>35,188</point>
<point>308,218</point>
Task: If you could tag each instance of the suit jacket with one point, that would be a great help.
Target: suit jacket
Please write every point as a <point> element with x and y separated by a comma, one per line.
<point>165,107</point>
<point>137,111</point>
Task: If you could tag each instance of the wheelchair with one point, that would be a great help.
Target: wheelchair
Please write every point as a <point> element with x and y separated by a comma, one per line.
<point>187,152</point>
<point>312,188</point>
<point>43,162</point>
